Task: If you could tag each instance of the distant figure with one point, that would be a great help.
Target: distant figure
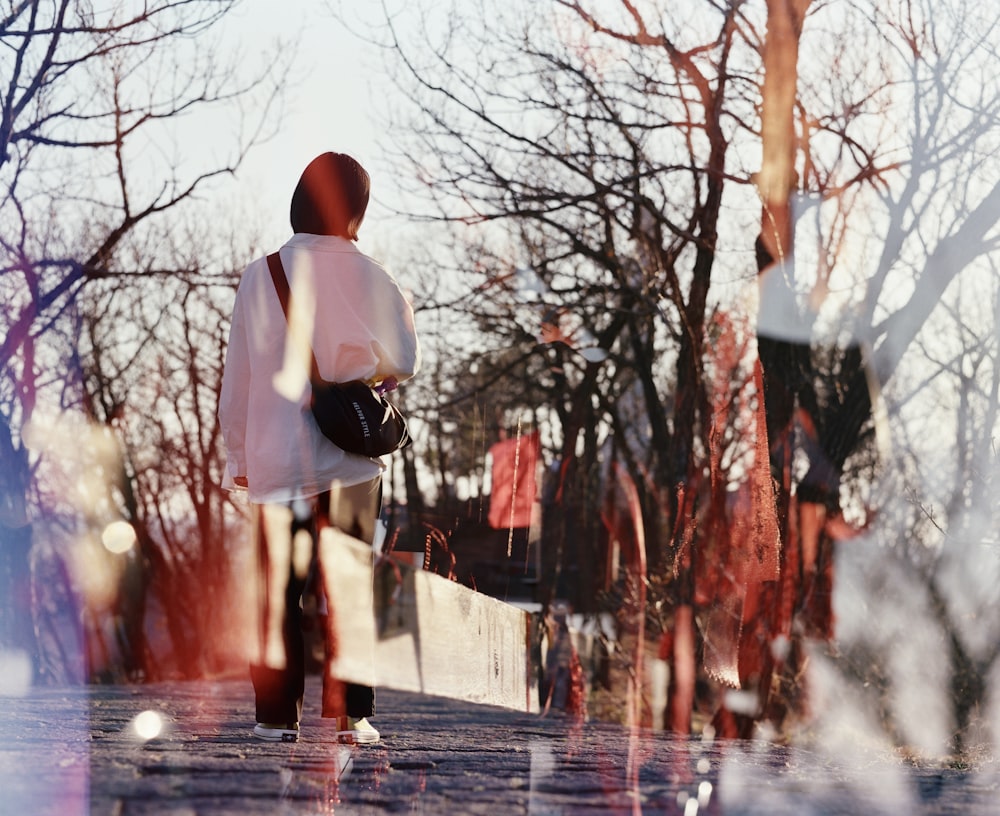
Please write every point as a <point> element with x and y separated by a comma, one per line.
<point>361,327</point>
<point>562,682</point>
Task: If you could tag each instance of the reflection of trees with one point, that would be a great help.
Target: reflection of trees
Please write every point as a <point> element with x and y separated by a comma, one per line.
<point>614,143</point>
<point>89,175</point>
<point>937,545</point>
<point>928,313</point>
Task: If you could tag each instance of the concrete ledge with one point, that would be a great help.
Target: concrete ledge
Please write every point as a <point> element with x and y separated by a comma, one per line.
<point>404,628</point>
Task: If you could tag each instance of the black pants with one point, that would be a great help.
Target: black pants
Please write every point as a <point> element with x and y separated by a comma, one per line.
<point>285,538</point>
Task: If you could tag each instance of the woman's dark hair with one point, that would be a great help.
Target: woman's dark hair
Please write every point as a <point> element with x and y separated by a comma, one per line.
<point>331,197</point>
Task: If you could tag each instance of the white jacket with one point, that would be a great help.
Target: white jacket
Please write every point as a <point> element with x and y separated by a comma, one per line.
<point>361,327</point>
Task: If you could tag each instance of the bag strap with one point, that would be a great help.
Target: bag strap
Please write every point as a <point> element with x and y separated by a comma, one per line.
<point>280,281</point>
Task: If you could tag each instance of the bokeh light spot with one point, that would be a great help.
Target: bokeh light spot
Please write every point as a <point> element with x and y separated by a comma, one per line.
<point>15,673</point>
<point>118,537</point>
<point>704,793</point>
<point>148,725</point>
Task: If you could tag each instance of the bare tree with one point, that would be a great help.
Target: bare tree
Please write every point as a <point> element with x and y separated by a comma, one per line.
<point>606,143</point>
<point>617,204</point>
<point>157,387</point>
<point>92,163</point>
<point>601,155</point>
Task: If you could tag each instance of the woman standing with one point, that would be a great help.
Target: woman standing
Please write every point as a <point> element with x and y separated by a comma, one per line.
<point>351,312</point>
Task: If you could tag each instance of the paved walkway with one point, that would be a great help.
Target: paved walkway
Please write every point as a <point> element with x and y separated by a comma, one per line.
<point>77,751</point>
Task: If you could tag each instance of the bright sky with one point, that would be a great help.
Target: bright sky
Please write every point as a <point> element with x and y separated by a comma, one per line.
<point>327,104</point>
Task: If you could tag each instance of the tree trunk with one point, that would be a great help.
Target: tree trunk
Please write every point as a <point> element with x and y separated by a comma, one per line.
<point>777,178</point>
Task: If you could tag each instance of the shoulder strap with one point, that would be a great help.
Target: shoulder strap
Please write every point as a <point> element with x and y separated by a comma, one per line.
<point>279,279</point>
<point>281,286</point>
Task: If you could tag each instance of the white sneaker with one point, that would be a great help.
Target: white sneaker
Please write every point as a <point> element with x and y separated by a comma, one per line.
<point>273,732</point>
<point>357,732</point>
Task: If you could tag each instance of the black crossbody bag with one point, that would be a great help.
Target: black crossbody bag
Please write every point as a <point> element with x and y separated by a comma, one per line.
<point>352,415</point>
